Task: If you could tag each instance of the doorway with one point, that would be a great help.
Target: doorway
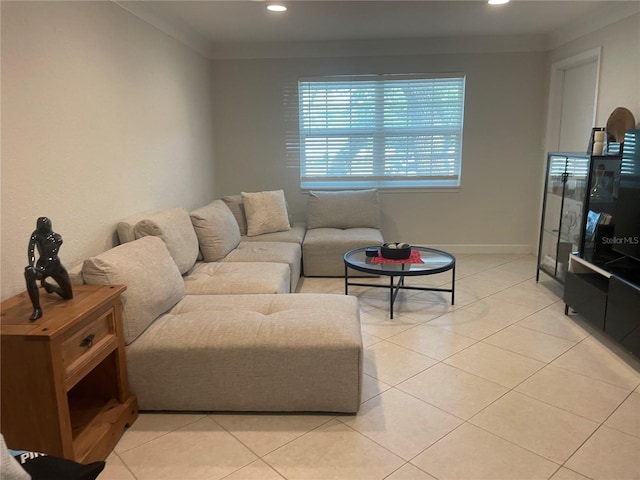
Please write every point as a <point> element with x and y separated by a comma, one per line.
<point>573,96</point>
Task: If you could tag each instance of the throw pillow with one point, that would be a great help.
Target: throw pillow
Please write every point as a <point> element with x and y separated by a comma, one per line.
<point>343,209</point>
<point>153,281</point>
<point>266,212</point>
<point>236,205</point>
<point>217,230</point>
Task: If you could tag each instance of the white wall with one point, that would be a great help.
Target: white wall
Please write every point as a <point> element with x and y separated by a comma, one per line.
<point>619,66</point>
<point>496,208</point>
<point>102,116</point>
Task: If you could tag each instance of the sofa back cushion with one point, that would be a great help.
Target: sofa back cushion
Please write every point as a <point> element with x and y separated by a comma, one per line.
<point>343,209</point>
<point>153,281</point>
<point>217,230</point>
<point>126,227</point>
<point>236,205</point>
<point>174,227</point>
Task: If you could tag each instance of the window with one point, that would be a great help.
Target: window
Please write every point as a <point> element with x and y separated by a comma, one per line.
<point>394,131</point>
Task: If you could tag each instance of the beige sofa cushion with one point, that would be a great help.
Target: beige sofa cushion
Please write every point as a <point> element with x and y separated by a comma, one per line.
<point>266,212</point>
<point>235,278</point>
<point>153,281</point>
<point>174,227</point>
<point>235,204</point>
<point>295,235</point>
<point>271,252</point>
<point>323,249</point>
<point>343,209</point>
<point>217,230</point>
<point>299,352</point>
<point>126,227</point>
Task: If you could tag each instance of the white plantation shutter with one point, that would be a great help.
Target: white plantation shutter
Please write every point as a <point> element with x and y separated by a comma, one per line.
<point>381,131</point>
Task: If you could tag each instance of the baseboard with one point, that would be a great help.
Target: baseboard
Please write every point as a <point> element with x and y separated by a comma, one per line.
<point>487,249</point>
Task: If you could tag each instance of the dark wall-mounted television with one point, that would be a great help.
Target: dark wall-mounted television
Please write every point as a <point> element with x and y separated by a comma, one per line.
<point>626,239</point>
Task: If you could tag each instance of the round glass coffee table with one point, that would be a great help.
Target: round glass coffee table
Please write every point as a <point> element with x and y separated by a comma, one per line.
<point>428,261</point>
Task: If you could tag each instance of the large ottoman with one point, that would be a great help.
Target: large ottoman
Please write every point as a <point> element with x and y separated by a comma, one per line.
<point>275,353</point>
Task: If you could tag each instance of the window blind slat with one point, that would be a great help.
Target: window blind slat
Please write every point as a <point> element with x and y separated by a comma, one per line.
<point>393,130</point>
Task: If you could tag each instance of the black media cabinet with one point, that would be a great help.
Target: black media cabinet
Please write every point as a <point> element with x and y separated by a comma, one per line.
<point>607,295</point>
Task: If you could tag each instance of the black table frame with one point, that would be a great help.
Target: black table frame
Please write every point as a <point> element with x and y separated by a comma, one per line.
<point>394,288</point>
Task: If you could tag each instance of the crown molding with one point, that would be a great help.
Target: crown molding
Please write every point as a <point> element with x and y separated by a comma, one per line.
<point>182,34</point>
<point>591,23</point>
<point>363,48</point>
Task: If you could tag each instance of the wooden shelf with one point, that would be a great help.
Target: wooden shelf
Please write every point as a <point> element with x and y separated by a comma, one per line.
<point>97,426</point>
<point>63,376</point>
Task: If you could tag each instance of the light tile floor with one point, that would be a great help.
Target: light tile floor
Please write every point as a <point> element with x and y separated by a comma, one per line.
<point>501,386</point>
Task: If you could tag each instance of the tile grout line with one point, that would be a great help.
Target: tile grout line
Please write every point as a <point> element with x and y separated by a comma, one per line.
<point>613,412</point>
<point>522,354</point>
<point>592,378</point>
<point>467,422</point>
<point>152,412</point>
<point>333,417</point>
<point>126,466</point>
<point>262,457</point>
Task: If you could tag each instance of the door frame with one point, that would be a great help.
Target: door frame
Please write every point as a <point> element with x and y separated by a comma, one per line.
<point>556,88</point>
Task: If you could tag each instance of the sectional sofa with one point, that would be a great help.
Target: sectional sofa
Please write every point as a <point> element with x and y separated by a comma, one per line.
<point>211,322</point>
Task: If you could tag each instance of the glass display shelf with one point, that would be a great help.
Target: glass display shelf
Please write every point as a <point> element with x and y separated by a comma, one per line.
<point>579,202</point>
<point>563,212</point>
<point>600,203</point>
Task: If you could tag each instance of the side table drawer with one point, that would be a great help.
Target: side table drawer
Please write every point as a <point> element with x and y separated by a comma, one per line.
<point>80,348</point>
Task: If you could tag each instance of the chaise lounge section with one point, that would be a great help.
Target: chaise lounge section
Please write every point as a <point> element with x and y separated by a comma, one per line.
<point>259,352</point>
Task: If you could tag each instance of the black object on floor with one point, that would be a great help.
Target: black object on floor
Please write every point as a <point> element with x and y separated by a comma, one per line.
<point>46,467</point>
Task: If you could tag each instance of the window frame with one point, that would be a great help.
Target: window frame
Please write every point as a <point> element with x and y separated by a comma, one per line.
<point>379,133</point>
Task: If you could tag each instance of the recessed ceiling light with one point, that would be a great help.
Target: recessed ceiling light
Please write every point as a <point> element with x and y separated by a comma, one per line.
<point>276,8</point>
<point>498,2</point>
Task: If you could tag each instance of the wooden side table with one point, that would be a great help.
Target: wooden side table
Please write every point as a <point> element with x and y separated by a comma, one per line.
<point>64,381</point>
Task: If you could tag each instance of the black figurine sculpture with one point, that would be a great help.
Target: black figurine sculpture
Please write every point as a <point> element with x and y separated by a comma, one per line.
<point>48,265</point>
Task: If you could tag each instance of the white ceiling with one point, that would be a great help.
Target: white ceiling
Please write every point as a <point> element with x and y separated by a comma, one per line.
<point>212,23</point>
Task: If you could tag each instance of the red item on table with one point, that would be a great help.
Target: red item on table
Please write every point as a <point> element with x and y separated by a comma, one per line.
<point>413,258</point>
